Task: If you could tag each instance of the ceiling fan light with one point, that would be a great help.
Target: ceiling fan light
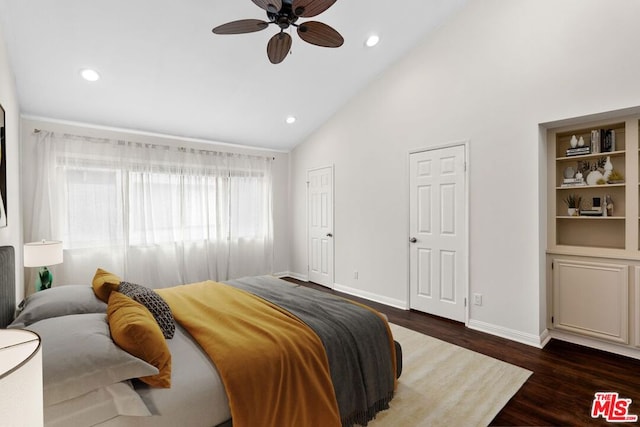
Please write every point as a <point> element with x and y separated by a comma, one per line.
<point>290,120</point>
<point>372,40</point>
<point>90,75</point>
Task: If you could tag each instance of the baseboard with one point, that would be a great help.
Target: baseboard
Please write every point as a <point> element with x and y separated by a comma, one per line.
<point>545,337</point>
<point>538,341</point>
<point>597,344</point>
<point>371,296</point>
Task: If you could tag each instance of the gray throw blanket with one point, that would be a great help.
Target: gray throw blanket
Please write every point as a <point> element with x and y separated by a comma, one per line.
<point>355,339</point>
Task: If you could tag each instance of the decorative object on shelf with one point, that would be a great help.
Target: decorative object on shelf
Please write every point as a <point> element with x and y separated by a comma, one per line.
<point>594,171</point>
<point>574,141</point>
<point>42,254</point>
<point>608,204</point>
<point>594,177</point>
<point>584,167</point>
<point>615,177</point>
<point>581,142</point>
<point>608,168</point>
<point>596,208</point>
<point>571,178</point>
<point>573,202</point>
<point>569,172</point>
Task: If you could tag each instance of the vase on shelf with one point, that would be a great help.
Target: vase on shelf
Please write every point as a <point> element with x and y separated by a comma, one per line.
<point>572,211</point>
<point>608,204</point>
<point>574,141</point>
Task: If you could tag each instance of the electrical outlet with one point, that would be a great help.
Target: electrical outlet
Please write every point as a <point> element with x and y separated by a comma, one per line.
<point>477,299</point>
<point>355,274</point>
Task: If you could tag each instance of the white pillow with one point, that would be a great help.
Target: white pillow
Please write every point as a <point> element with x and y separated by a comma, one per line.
<point>96,407</point>
<point>78,356</point>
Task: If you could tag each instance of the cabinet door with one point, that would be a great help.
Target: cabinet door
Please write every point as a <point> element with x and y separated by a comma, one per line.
<point>591,299</point>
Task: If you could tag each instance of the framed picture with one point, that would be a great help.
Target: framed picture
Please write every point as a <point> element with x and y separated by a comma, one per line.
<point>3,170</point>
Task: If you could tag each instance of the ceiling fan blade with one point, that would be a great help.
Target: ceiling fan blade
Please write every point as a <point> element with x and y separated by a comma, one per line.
<point>273,6</point>
<point>309,8</point>
<point>279,47</point>
<point>320,34</point>
<point>240,27</point>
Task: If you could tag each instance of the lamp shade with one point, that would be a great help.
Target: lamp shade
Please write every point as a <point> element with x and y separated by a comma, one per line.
<point>43,253</point>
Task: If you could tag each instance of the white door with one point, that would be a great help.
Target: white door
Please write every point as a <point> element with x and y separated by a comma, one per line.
<point>438,254</point>
<point>320,200</point>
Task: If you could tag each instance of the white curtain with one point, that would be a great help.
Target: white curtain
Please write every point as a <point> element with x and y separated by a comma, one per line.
<point>154,215</point>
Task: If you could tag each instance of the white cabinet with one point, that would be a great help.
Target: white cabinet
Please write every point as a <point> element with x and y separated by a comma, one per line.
<point>591,298</point>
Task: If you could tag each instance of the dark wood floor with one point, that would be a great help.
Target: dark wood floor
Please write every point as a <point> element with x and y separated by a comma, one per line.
<point>565,376</point>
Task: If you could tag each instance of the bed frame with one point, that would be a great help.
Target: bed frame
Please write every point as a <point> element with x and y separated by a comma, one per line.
<point>7,285</point>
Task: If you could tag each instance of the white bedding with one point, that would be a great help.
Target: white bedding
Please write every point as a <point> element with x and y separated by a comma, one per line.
<point>83,369</point>
<point>196,397</point>
<point>69,317</point>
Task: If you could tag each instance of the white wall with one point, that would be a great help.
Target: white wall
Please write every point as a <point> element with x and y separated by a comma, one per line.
<point>280,172</point>
<point>12,234</point>
<point>490,75</point>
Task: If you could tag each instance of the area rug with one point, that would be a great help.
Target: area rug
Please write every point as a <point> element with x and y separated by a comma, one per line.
<point>446,385</point>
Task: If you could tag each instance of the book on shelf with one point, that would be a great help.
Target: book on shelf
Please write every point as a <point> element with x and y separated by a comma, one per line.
<point>607,140</point>
<point>572,182</point>
<point>603,140</point>
<point>578,151</point>
<point>591,212</point>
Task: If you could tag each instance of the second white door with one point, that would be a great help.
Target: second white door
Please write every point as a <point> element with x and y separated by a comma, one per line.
<point>320,200</point>
<point>438,232</point>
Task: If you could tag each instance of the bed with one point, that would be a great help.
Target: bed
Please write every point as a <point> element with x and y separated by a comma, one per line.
<point>341,369</point>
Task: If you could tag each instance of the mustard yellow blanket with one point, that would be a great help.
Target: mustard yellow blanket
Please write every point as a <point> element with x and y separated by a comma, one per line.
<point>274,367</point>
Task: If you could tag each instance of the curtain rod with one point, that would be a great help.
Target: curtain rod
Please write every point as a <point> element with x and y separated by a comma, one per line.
<point>151,145</point>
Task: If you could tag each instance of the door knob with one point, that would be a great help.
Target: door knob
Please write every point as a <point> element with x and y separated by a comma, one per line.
<point>329,235</point>
<point>413,240</point>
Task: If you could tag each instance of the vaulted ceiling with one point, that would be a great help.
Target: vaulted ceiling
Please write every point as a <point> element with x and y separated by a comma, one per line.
<point>163,70</point>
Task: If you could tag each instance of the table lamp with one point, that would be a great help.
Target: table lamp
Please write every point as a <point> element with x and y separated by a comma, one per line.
<point>41,254</point>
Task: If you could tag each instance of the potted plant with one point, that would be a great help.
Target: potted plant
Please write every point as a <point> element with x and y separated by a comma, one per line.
<point>573,202</point>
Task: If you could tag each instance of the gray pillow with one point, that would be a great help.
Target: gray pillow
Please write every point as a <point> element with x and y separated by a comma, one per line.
<point>154,303</point>
<point>58,301</point>
<point>78,356</point>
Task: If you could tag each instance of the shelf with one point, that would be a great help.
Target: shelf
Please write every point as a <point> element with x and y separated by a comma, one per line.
<point>592,156</point>
<point>585,187</point>
<point>590,217</point>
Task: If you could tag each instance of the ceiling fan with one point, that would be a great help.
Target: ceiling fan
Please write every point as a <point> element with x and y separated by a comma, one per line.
<point>285,14</point>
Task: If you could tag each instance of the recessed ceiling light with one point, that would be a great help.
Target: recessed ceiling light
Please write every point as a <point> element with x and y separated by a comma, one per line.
<point>372,40</point>
<point>90,75</point>
<point>290,120</point>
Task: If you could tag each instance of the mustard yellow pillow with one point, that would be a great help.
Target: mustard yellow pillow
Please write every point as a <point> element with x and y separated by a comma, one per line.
<point>104,283</point>
<point>135,330</point>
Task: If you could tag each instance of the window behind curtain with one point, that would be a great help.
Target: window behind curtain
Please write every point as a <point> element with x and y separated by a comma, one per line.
<point>160,207</point>
<point>160,216</point>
